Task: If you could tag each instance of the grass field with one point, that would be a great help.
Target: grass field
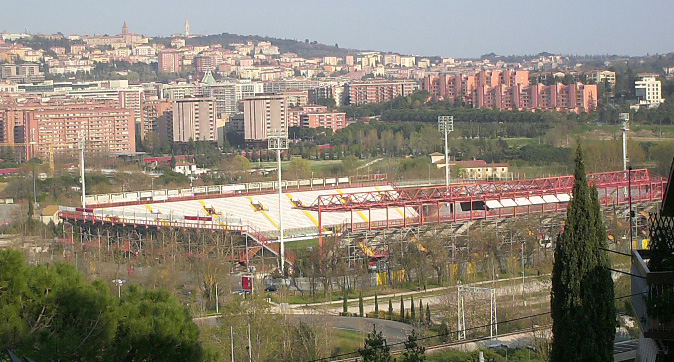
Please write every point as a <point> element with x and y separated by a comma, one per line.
<point>346,341</point>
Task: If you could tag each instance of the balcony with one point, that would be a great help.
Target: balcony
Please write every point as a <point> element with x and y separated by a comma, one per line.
<point>650,297</point>
<point>653,287</point>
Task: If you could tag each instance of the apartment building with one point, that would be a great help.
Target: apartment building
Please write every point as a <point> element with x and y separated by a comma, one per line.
<point>510,90</point>
<point>155,113</point>
<point>329,119</point>
<point>377,91</point>
<point>58,125</point>
<point>648,90</point>
<point>169,61</point>
<point>264,114</point>
<point>295,98</point>
<point>295,113</point>
<point>194,119</point>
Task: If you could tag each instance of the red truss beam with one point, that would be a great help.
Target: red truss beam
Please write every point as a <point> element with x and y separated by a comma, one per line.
<point>473,191</point>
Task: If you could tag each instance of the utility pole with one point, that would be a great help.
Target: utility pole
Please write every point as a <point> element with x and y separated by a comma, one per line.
<point>278,140</point>
<point>250,347</point>
<point>445,126</point>
<point>231,339</point>
<point>625,117</point>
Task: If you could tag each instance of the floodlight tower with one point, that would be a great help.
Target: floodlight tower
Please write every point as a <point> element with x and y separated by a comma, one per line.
<point>625,118</point>
<point>81,144</point>
<point>278,140</point>
<point>445,126</point>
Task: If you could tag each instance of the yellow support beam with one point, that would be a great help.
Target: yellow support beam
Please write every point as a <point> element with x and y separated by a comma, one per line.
<point>311,217</point>
<point>263,213</point>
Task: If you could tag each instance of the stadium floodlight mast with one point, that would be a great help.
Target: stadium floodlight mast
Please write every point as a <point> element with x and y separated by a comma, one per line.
<point>625,118</point>
<point>81,143</point>
<point>278,140</point>
<point>445,126</point>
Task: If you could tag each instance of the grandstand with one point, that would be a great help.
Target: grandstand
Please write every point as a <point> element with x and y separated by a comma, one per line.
<point>247,208</point>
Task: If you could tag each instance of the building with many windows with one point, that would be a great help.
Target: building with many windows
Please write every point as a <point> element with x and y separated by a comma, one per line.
<point>264,114</point>
<point>194,119</point>
<point>648,90</point>
<point>58,125</point>
<point>378,91</point>
<point>169,61</point>
<point>329,119</point>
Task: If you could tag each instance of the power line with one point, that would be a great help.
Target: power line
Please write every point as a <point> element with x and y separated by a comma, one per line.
<point>617,252</point>
<point>627,273</point>
<point>467,329</point>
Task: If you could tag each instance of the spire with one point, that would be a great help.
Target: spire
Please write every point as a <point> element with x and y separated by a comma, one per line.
<point>187,28</point>
<point>125,29</point>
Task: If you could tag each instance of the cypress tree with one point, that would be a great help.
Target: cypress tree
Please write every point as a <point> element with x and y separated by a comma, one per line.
<point>402,308</point>
<point>582,297</point>
<point>390,309</point>
<point>428,315</point>
<point>376,306</point>
<point>345,306</point>
<point>360,304</point>
<point>421,312</point>
<point>412,314</point>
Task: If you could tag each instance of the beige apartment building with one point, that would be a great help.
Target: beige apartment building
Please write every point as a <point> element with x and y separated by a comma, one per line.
<point>263,114</point>
<point>194,119</point>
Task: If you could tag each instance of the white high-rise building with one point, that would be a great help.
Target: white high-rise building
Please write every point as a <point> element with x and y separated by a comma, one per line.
<point>648,90</point>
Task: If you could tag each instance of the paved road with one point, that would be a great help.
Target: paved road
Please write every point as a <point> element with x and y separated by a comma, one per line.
<point>393,331</point>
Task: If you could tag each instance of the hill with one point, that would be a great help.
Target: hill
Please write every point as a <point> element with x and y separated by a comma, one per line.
<point>305,49</point>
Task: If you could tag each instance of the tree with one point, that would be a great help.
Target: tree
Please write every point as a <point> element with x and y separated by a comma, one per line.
<point>428,315</point>
<point>375,348</point>
<point>30,209</point>
<point>413,351</point>
<point>376,306</point>
<point>360,304</point>
<point>345,305</point>
<point>299,168</point>
<point>412,309</point>
<point>421,312</point>
<point>172,164</point>
<point>154,321</point>
<point>402,309</point>
<point>582,298</point>
<point>390,309</point>
<point>51,313</point>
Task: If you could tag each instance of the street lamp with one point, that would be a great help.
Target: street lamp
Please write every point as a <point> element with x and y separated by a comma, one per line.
<point>278,140</point>
<point>445,126</point>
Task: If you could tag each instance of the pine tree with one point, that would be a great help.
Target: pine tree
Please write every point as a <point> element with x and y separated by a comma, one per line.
<point>390,309</point>
<point>360,304</point>
<point>412,311</point>
<point>402,308</point>
<point>375,348</point>
<point>413,351</point>
<point>582,298</point>
<point>376,306</point>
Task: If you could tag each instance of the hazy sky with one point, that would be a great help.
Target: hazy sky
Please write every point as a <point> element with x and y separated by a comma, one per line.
<point>466,28</point>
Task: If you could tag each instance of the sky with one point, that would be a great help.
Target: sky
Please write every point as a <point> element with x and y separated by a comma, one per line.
<point>450,28</point>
